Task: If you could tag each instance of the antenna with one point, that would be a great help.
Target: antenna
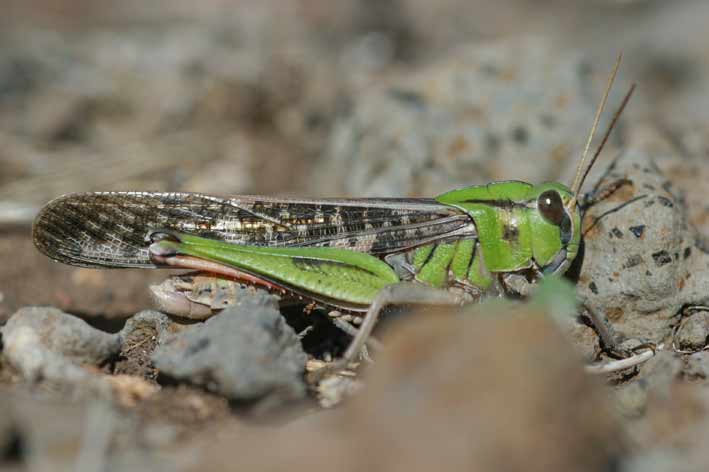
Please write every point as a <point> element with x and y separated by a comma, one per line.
<point>576,185</point>
<point>617,114</point>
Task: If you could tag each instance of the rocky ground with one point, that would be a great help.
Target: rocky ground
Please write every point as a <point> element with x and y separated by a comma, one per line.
<point>386,98</point>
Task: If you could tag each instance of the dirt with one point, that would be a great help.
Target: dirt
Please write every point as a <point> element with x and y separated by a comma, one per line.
<point>189,411</point>
<point>134,358</point>
<point>29,278</point>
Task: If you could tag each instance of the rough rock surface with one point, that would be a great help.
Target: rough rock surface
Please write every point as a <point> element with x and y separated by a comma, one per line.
<point>140,335</point>
<point>698,366</point>
<point>63,334</point>
<point>693,331</point>
<point>641,263</point>
<point>247,352</point>
<point>507,110</point>
<point>62,352</point>
<point>45,343</point>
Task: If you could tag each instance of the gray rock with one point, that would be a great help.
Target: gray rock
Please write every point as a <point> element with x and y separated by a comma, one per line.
<point>24,350</point>
<point>631,399</point>
<point>655,379</point>
<point>692,333</point>
<point>247,352</point>
<point>660,372</point>
<point>641,264</point>
<point>507,110</point>
<point>64,334</point>
<point>45,344</point>
<point>673,434</point>
<point>697,365</point>
<point>689,172</point>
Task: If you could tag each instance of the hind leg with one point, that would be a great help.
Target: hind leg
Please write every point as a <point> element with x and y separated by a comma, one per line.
<point>401,293</point>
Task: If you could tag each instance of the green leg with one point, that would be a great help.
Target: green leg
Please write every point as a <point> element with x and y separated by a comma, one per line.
<point>340,277</point>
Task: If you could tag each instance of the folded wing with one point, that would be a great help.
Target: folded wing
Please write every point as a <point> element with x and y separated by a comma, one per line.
<point>109,229</point>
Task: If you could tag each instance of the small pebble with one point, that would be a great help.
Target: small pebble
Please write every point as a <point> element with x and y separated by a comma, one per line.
<point>692,333</point>
<point>633,267</point>
<point>63,334</point>
<point>336,388</point>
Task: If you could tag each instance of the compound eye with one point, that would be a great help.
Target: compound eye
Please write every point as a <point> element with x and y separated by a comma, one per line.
<point>551,207</point>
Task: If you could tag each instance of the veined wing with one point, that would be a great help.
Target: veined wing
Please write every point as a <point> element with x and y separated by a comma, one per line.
<point>109,229</point>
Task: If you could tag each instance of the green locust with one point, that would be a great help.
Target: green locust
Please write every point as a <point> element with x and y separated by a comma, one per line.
<point>355,255</point>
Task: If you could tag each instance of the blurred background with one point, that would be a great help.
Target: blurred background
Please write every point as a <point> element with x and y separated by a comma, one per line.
<point>316,98</point>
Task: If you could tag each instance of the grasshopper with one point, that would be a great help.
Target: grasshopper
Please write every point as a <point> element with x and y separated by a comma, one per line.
<point>355,255</point>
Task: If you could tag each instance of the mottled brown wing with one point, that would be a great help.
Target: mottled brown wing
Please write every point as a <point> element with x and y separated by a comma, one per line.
<point>109,229</point>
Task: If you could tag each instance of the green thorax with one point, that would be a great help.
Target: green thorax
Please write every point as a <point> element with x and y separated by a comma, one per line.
<point>511,232</point>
